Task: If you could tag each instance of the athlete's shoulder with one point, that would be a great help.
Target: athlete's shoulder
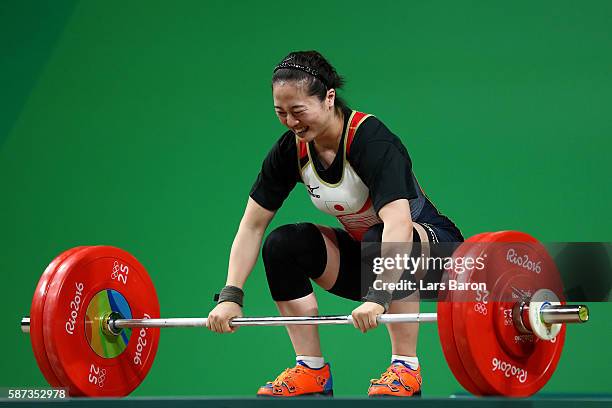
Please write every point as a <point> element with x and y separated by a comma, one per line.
<point>282,154</point>
<point>285,145</point>
<point>370,132</point>
<point>287,139</point>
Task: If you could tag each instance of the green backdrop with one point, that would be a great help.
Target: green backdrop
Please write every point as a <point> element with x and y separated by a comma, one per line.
<point>142,124</point>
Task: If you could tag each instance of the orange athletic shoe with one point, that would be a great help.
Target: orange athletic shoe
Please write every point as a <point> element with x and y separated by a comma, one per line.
<point>398,381</point>
<point>300,381</point>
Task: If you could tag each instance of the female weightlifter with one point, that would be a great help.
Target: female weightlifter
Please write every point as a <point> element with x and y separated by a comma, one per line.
<point>354,168</point>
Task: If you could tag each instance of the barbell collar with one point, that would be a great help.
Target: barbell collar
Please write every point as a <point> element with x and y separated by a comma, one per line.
<point>25,324</point>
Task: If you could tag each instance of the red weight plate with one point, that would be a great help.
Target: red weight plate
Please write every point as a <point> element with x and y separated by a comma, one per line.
<point>499,359</point>
<point>36,318</point>
<point>445,326</point>
<point>509,338</point>
<point>85,277</point>
<point>459,302</point>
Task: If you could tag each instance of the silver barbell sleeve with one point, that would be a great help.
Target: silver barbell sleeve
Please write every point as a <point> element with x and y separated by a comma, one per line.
<point>565,314</point>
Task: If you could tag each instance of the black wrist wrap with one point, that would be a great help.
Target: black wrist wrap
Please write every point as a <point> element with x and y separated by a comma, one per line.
<point>230,294</point>
<point>382,297</point>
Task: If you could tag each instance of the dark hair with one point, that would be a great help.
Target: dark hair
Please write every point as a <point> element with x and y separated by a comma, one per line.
<point>315,70</point>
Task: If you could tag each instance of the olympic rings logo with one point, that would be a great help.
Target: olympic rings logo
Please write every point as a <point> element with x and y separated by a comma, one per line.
<point>481,308</point>
<point>120,272</point>
<point>97,375</point>
<point>116,269</point>
<point>102,377</point>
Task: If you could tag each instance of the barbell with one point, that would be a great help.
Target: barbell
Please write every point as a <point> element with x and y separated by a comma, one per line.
<point>94,320</point>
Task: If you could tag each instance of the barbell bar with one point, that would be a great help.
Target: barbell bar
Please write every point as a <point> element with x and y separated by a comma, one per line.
<point>551,314</point>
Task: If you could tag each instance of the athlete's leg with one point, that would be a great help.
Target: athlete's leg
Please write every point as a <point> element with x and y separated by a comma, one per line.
<point>404,335</point>
<point>294,254</point>
<point>403,377</point>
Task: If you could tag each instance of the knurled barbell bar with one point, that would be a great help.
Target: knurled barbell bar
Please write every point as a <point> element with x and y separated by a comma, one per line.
<point>94,321</point>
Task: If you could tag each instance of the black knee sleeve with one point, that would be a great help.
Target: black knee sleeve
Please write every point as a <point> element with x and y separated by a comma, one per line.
<point>292,255</point>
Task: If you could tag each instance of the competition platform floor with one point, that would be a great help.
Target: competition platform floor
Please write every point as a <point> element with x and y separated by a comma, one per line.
<point>455,401</point>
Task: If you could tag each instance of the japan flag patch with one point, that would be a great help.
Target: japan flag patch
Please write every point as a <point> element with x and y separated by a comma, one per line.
<point>338,207</point>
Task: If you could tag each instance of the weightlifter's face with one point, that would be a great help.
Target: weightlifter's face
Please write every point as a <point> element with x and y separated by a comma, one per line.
<point>304,115</point>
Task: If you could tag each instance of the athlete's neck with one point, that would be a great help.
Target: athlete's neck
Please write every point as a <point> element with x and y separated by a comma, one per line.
<point>330,139</point>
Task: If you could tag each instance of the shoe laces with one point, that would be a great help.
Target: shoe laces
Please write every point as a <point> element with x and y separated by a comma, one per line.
<point>388,377</point>
<point>287,376</point>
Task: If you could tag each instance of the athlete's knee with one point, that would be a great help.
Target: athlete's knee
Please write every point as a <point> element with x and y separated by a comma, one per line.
<point>293,254</point>
<point>295,243</point>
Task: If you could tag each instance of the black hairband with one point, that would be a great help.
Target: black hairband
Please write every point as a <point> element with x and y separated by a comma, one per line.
<point>308,70</point>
